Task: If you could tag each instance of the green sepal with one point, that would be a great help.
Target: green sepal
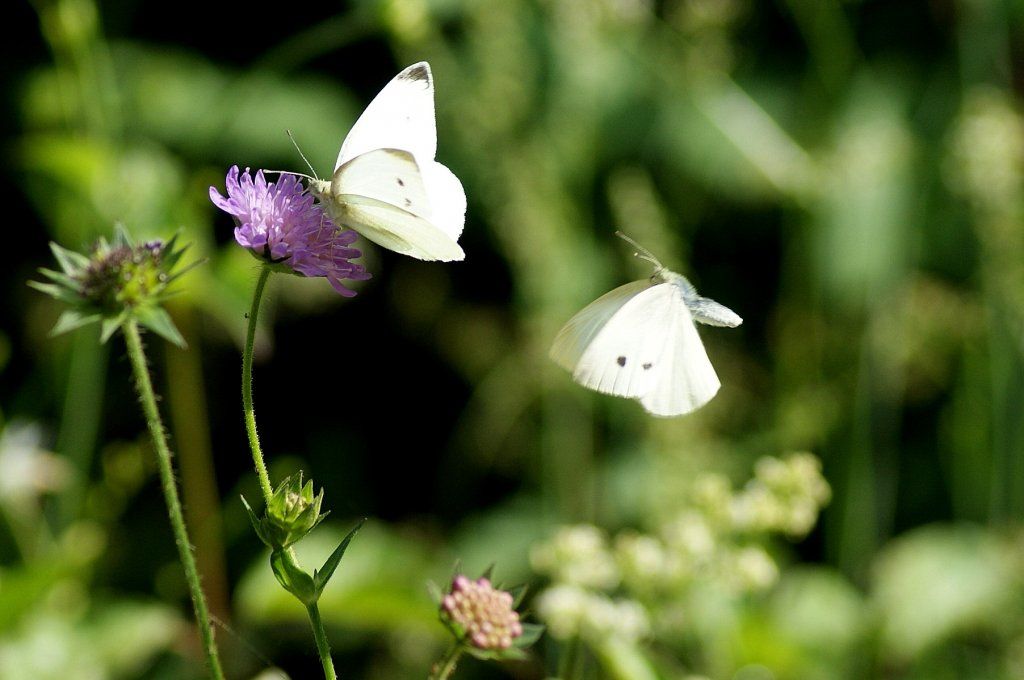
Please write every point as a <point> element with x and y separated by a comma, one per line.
<point>513,653</point>
<point>184,270</point>
<point>531,633</point>
<point>159,321</point>
<point>69,260</point>
<point>517,652</point>
<point>256,524</point>
<point>277,267</point>
<point>70,319</point>
<point>60,291</point>
<point>59,278</point>
<point>122,237</point>
<point>292,513</point>
<point>518,593</point>
<point>322,575</point>
<point>110,324</point>
<point>435,592</point>
<point>292,578</point>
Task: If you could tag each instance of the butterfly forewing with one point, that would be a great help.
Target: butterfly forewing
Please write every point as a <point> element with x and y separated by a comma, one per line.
<point>401,116</point>
<point>577,334</point>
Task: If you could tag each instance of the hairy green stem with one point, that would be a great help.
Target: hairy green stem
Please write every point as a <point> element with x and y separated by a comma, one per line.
<point>250,414</point>
<point>322,646</point>
<point>163,453</point>
<point>444,668</point>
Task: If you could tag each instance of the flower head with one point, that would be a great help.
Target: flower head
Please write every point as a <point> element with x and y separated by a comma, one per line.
<point>484,613</point>
<point>292,513</point>
<point>117,280</point>
<point>280,223</point>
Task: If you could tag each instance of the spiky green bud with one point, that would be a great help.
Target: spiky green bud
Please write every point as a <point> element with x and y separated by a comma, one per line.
<point>118,280</point>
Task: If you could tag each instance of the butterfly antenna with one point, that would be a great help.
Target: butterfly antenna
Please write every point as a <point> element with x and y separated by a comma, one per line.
<point>308,164</point>
<point>292,172</point>
<point>641,252</point>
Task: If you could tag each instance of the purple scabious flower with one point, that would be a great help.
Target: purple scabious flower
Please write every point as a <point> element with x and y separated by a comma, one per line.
<point>280,223</point>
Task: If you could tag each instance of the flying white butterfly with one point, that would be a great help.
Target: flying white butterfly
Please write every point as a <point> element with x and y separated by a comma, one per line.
<point>640,341</point>
<point>386,183</point>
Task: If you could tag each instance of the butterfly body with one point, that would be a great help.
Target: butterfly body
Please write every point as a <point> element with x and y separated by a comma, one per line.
<point>640,341</point>
<point>386,184</point>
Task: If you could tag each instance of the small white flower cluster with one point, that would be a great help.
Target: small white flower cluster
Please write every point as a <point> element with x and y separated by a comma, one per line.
<point>572,611</point>
<point>577,554</point>
<point>785,496</point>
<point>987,145</point>
<point>716,542</point>
<point>27,470</point>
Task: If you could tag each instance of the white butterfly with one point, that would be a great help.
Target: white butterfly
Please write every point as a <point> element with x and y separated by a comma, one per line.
<point>386,183</point>
<point>640,341</point>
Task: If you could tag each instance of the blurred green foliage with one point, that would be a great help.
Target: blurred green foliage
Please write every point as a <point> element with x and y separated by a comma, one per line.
<point>847,175</point>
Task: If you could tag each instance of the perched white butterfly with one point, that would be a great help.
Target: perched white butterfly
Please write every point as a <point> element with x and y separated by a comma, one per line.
<point>386,183</point>
<point>640,341</point>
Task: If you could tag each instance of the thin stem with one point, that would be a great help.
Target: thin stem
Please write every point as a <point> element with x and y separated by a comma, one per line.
<point>444,668</point>
<point>250,415</point>
<point>569,661</point>
<point>322,646</point>
<point>163,454</point>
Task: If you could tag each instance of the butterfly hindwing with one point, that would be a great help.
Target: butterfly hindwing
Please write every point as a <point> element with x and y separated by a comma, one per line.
<point>686,380</point>
<point>623,356</point>
<point>399,231</point>
<point>384,195</point>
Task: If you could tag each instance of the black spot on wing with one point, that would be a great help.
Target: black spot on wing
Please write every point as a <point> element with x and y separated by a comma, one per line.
<point>418,72</point>
<point>621,361</point>
<point>400,182</point>
<point>647,366</point>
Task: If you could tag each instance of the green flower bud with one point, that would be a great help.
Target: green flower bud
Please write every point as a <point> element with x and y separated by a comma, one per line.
<point>292,513</point>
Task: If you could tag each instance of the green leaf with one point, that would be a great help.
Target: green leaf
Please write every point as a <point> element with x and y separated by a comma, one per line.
<point>71,319</point>
<point>159,321</point>
<point>323,575</point>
